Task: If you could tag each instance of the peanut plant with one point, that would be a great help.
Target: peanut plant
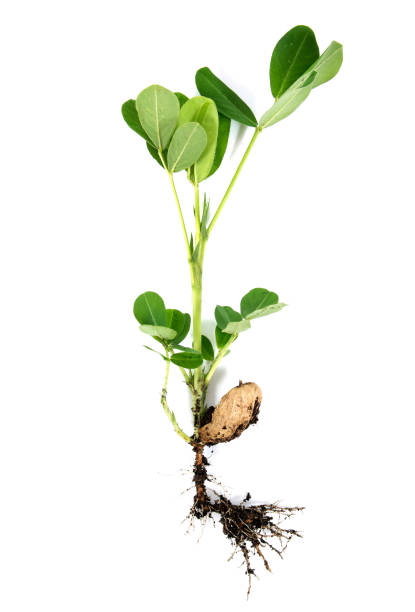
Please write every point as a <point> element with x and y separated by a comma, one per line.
<point>191,135</point>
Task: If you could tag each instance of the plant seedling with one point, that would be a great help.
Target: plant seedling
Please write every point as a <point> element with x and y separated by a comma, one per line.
<point>191,135</point>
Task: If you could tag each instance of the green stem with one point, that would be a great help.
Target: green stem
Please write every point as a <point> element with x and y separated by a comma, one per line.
<point>176,197</point>
<point>221,354</point>
<point>200,379</point>
<point>196,271</point>
<point>179,208</point>
<point>232,183</point>
<point>169,413</point>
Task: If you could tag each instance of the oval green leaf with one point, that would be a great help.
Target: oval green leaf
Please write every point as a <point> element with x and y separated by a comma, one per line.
<point>159,331</point>
<point>158,111</point>
<point>187,145</point>
<point>221,338</point>
<point>178,321</point>
<point>149,309</point>
<point>227,101</point>
<point>293,54</point>
<point>184,331</point>
<point>222,142</point>
<point>207,349</point>
<point>203,111</point>
<point>287,103</point>
<point>187,359</point>
<point>257,299</point>
<point>129,112</point>
<point>225,315</point>
<point>174,319</point>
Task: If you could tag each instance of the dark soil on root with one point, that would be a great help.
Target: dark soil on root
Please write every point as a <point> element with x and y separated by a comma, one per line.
<point>250,528</point>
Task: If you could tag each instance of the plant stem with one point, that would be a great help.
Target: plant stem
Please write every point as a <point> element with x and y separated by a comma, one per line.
<point>200,380</point>
<point>179,208</point>
<point>232,183</point>
<point>197,213</point>
<point>176,197</point>
<point>221,354</point>
<point>196,272</point>
<point>169,413</point>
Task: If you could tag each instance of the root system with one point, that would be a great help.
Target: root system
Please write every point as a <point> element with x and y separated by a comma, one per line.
<point>252,529</point>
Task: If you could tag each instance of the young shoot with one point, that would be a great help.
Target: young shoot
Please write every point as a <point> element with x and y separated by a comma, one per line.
<point>191,135</point>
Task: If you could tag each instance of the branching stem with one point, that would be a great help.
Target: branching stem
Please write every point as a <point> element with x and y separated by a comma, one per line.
<point>169,413</point>
<point>200,379</point>
<point>232,183</point>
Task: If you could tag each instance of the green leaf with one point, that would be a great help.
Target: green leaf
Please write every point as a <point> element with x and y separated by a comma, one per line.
<point>227,101</point>
<point>149,309</point>
<point>159,331</point>
<point>203,111</point>
<point>222,142</point>
<point>129,112</point>
<point>181,98</point>
<point>236,327</point>
<point>207,349</point>
<point>174,319</point>
<point>327,65</point>
<point>184,331</point>
<point>262,312</point>
<point>188,360</point>
<point>187,145</point>
<point>257,299</point>
<point>293,54</point>
<point>287,103</point>
<point>221,338</point>
<point>158,110</point>
<point>179,322</point>
<point>225,315</point>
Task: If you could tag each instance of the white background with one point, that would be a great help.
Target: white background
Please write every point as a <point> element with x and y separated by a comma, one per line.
<point>91,472</point>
